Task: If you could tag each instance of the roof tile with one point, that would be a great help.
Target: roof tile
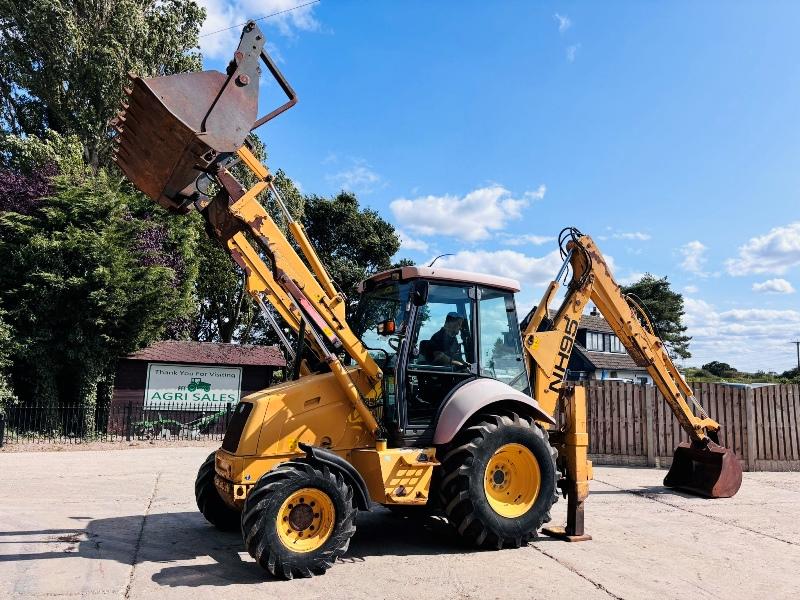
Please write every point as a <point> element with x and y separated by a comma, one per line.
<point>210,353</point>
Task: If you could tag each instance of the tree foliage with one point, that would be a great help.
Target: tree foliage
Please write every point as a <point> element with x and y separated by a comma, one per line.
<point>352,242</point>
<point>666,307</point>
<point>720,369</point>
<point>64,63</point>
<point>89,272</point>
<point>6,350</point>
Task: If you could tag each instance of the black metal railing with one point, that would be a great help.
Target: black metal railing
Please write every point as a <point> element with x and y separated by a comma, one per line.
<point>33,423</point>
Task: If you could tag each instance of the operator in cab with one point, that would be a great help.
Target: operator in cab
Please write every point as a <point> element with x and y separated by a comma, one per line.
<point>444,348</point>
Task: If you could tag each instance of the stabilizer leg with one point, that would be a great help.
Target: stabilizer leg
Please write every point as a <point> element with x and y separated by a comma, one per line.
<point>573,450</point>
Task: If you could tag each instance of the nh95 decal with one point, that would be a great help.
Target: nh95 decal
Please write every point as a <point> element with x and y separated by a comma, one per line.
<point>565,349</point>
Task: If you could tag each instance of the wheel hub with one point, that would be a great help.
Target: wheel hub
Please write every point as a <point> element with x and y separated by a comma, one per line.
<point>305,520</point>
<point>498,477</point>
<point>512,480</point>
<point>301,517</point>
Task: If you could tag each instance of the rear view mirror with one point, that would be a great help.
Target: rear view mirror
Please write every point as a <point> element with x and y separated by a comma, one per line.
<point>419,296</point>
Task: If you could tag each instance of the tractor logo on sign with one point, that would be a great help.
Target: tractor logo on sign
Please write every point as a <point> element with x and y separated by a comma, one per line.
<point>198,384</point>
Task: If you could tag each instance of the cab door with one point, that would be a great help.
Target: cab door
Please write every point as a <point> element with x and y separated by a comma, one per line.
<point>500,346</point>
<point>430,376</point>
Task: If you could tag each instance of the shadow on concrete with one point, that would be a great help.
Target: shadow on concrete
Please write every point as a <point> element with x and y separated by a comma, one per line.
<point>649,490</point>
<point>185,536</point>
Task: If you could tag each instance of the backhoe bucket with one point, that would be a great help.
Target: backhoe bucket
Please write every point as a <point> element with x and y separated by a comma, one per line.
<point>708,470</point>
<point>174,128</point>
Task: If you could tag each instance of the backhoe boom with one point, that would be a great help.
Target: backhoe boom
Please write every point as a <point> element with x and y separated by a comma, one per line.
<point>701,466</point>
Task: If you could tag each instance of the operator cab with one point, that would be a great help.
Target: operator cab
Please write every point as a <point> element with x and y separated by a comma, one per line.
<point>431,330</point>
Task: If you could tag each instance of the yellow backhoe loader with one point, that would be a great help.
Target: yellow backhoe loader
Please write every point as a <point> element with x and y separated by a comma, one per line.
<point>432,398</point>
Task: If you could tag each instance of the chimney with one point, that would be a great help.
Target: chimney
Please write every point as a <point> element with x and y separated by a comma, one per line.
<point>595,312</point>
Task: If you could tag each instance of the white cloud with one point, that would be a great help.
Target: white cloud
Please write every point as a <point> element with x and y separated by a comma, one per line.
<point>572,52</point>
<point>632,235</point>
<point>690,289</point>
<point>528,270</point>
<point>774,286</point>
<point>471,217</point>
<point>694,257</point>
<point>630,278</point>
<point>537,194</point>
<point>409,243</point>
<point>222,14</point>
<point>564,22</point>
<point>775,252</point>
<point>521,240</point>
<point>359,177</point>
<point>749,339</point>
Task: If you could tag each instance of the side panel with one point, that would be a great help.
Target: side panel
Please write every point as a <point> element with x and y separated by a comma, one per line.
<point>471,397</point>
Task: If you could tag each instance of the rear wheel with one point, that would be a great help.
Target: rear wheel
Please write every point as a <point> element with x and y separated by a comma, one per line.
<point>210,503</point>
<point>499,481</point>
<point>298,519</point>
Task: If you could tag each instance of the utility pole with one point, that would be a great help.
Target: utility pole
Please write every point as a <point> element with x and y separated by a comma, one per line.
<point>797,345</point>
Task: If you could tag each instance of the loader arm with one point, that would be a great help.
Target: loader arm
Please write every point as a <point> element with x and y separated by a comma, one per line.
<point>175,131</point>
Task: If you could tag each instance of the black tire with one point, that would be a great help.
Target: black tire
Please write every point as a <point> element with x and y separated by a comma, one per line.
<point>210,503</point>
<point>461,491</point>
<point>260,516</point>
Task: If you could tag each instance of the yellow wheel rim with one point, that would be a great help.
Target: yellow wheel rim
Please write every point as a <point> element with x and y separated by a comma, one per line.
<point>512,480</point>
<point>305,520</point>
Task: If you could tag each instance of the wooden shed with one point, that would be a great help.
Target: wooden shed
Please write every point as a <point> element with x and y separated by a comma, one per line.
<point>184,382</point>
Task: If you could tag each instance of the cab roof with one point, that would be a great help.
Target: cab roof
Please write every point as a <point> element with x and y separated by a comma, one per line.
<point>441,274</point>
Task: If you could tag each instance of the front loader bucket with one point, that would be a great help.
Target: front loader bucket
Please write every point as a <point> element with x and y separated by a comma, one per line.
<point>174,128</point>
<point>708,470</point>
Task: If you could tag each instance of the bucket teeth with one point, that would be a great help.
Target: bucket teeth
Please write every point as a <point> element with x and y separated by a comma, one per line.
<point>128,91</point>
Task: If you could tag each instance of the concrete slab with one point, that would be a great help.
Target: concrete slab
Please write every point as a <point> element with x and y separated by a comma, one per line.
<point>123,524</point>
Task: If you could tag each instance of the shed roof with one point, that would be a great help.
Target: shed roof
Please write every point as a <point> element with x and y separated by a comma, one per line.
<point>210,353</point>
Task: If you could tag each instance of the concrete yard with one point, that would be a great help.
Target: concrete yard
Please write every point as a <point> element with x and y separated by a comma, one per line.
<point>123,524</point>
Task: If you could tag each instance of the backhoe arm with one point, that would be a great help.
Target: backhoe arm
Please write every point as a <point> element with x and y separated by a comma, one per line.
<point>701,466</point>
<point>550,345</point>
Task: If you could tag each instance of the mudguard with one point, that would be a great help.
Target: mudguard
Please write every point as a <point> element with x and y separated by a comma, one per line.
<point>475,395</point>
<point>337,463</point>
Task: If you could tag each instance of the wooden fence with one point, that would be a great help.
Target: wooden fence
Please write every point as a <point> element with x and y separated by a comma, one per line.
<point>631,424</point>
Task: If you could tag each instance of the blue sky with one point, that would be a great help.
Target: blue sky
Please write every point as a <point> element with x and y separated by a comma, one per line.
<point>667,131</point>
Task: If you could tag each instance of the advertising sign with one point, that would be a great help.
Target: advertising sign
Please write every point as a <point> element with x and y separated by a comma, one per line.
<point>203,386</point>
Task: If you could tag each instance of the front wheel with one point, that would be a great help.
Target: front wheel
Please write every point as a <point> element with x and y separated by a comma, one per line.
<point>210,503</point>
<point>499,481</point>
<point>298,519</point>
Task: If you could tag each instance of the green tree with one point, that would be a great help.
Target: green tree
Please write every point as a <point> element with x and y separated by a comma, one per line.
<point>352,242</point>
<point>6,349</point>
<point>792,375</point>
<point>720,369</point>
<point>666,308</point>
<point>88,272</point>
<point>64,63</point>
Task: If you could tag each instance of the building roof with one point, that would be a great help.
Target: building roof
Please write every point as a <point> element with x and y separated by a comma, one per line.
<point>589,322</point>
<point>442,274</point>
<point>608,360</point>
<point>592,322</point>
<point>210,353</point>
